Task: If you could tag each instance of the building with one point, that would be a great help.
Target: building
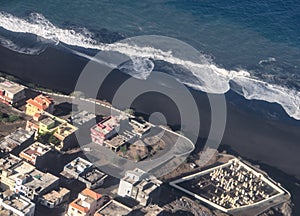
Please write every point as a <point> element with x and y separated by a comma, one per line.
<point>43,123</point>
<point>11,93</point>
<point>113,208</point>
<point>9,161</point>
<point>76,167</point>
<point>140,186</point>
<point>24,179</point>
<point>85,172</point>
<point>86,204</point>
<point>35,184</point>
<point>139,126</point>
<point>107,128</point>
<point>231,187</point>
<point>62,133</point>
<point>55,198</point>
<point>92,178</point>
<point>65,137</point>
<point>82,119</point>
<point>15,205</point>
<point>37,154</point>
<point>16,142</point>
<point>39,104</point>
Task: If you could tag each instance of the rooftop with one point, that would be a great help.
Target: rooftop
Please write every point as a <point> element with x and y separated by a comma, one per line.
<point>93,175</point>
<point>106,125</point>
<point>54,195</point>
<point>41,101</point>
<point>9,161</point>
<point>36,149</point>
<point>82,117</point>
<point>65,129</point>
<point>47,121</point>
<point>113,208</point>
<point>11,87</point>
<point>17,202</point>
<point>15,139</point>
<point>85,198</point>
<point>79,165</point>
<point>40,180</point>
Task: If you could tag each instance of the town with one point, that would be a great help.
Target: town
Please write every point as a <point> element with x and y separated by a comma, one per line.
<point>45,172</point>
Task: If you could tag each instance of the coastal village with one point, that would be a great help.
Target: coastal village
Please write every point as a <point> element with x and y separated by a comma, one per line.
<point>45,172</point>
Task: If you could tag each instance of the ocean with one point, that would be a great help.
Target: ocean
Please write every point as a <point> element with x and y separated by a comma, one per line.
<point>252,47</point>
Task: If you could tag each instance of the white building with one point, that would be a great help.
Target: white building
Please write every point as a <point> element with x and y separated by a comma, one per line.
<point>140,186</point>
<point>13,204</point>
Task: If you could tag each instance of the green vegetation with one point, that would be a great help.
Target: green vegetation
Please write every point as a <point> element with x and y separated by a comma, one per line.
<point>4,117</point>
<point>54,140</point>
<point>48,138</point>
<point>129,111</point>
<point>137,158</point>
<point>78,94</point>
<point>123,149</point>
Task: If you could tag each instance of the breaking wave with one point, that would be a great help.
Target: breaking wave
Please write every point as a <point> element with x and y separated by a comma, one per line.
<point>205,75</point>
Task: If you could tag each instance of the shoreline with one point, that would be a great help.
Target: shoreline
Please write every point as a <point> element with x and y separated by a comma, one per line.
<point>270,142</point>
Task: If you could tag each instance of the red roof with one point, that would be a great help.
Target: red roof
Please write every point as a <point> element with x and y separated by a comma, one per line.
<point>41,102</point>
<point>91,193</point>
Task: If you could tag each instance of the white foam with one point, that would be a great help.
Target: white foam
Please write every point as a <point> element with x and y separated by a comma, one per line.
<point>212,79</point>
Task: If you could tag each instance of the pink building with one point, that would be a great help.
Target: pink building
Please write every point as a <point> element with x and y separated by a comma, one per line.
<point>105,129</point>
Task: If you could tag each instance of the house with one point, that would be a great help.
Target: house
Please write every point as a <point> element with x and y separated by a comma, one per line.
<point>55,197</point>
<point>14,204</point>
<point>61,132</point>
<point>39,104</point>
<point>11,93</point>
<point>107,128</point>
<point>76,167</point>
<point>36,154</point>
<point>24,179</point>
<point>140,186</point>
<point>84,171</point>
<point>16,142</point>
<point>9,161</point>
<point>86,204</point>
<point>83,121</point>
<point>65,136</point>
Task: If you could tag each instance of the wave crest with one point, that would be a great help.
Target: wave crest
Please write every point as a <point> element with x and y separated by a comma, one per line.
<point>211,78</point>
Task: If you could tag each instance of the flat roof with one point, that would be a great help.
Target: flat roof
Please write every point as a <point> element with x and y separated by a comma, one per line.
<point>36,148</point>
<point>11,87</point>
<point>47,121</point>
<point>54,195</point>
<point>79,165</point>
<point>9,161</point>
<point>82,117</point>
<point>41,180</point>
<point>17,202</point>
<point>15,139</point>
<point>113,208</point>
<point>94,175</point>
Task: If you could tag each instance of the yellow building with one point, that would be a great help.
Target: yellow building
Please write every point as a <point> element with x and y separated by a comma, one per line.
<point>39,104</point>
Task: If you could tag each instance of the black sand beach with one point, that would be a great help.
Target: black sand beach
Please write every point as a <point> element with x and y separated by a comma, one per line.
<point>273,143</point>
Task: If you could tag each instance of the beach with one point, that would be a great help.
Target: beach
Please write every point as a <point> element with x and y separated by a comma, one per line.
<point>273,143</point>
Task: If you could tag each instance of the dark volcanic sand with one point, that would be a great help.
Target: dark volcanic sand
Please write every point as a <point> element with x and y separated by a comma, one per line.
<point>271,142</point>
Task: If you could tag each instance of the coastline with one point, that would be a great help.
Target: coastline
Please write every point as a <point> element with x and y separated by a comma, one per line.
<point>262,140</point>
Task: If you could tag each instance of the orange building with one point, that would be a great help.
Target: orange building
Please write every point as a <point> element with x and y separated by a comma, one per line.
<point>39,104</point>
<point>87,203</point>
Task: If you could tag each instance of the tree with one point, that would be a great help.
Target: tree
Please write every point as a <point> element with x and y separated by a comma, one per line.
<point>54,140</point>
<point>129,111</point>
<point>12,118</point>
<point>123,149</point>
<point>78,94</point>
